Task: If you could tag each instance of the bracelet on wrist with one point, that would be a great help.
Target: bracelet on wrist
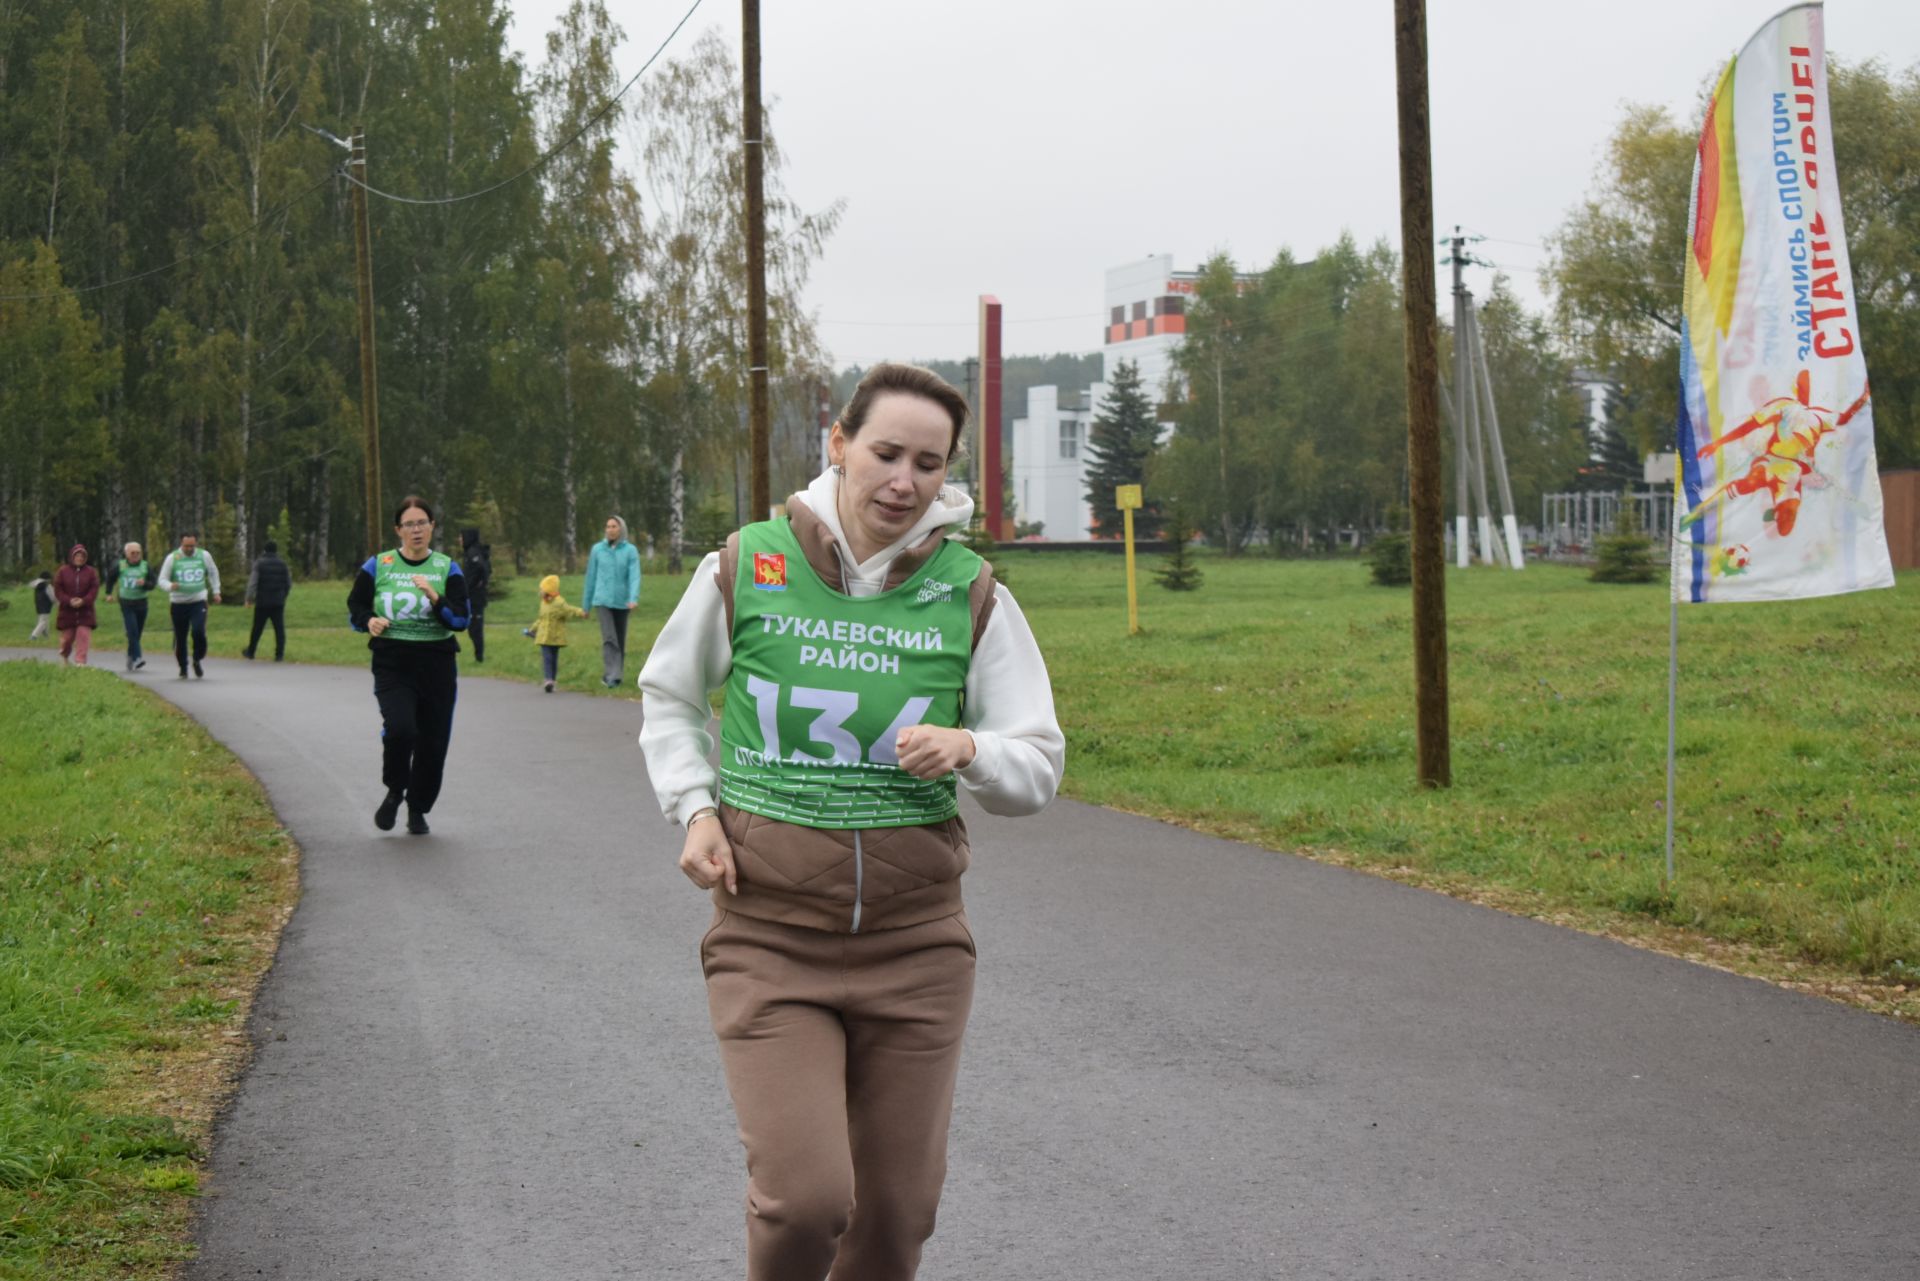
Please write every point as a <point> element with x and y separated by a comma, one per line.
<point>704,812</point>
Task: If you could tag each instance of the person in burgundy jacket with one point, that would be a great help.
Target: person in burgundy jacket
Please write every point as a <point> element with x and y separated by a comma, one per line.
<point>75,585</point>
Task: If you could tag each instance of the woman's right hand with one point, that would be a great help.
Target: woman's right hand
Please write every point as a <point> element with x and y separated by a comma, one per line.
<point>376,624</point>
<point>707,856</point>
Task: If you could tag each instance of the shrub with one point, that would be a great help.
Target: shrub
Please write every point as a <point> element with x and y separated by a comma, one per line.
<point>1179,572</point>
<point>1390,560</point>
<point>1625,555</point>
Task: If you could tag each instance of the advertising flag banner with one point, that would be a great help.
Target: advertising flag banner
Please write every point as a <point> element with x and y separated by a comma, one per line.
<point>1777,495</point>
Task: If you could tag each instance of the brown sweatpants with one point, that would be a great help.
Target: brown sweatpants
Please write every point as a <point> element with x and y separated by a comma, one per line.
<point>840,1052</point>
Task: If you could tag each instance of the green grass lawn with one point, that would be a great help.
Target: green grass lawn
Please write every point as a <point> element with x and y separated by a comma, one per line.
<point>1275,705</point>
<point>143,882</point>
<point>143,878</point>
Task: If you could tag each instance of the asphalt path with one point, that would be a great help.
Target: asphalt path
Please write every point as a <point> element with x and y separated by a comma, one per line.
<point>485,1053</point>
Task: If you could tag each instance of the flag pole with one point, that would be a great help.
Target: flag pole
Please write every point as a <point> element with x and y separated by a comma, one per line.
<point>1673,684</point>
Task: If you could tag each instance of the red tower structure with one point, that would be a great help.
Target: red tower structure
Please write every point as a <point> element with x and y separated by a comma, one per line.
<point>987,418</point>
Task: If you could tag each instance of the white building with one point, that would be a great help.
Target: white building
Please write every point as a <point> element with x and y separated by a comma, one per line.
<point>1146,308</point>
<point>1050,462</point>
<point>1147,322</point>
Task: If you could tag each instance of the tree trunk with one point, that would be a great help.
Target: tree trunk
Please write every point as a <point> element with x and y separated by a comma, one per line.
<point>243,492</point>
<point>8,552</point>
<point>59,156</point>
<point>120,501</point>
<point>315,520</point>
<point>197,514</point>
<point>570,498</point>
<point>677,511</point>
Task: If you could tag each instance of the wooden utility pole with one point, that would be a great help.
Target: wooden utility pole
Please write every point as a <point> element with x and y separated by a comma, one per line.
<point>760,484</point>
<point>1423,414</point>
<point>377,536</point>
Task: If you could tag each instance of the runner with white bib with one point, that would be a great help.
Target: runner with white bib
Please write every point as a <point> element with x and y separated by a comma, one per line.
<point>189,577</point>
<point>411,600</point>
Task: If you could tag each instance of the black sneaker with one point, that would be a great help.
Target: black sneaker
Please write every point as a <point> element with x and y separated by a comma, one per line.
<point>197,673</point>
<point>247,654</point>
<point>383,817</point>
<point>183,673</point>
<point>416,822</point>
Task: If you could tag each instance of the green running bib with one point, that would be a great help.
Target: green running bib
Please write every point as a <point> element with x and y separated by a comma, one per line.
<point>132,581</point>
<point>823,683</point>
<point>410,614</point>
<point>189,572</point>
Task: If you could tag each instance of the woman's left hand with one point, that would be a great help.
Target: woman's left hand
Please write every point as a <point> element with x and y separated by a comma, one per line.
<point>931,751</point>
<point>420,581</point>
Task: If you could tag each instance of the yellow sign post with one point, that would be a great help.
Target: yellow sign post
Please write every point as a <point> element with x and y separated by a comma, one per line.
<point>1127,499</point>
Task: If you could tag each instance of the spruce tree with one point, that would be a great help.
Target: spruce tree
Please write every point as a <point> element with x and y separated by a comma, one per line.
<point>1612,462</point>
<point>1123,438</point>
<point>1390,559</point>
<point>1626,555</point>
<point>1390,556</point>
<point>1179,572</point>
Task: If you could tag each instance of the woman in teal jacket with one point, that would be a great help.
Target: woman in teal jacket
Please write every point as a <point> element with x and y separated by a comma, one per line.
<point>612,590</point>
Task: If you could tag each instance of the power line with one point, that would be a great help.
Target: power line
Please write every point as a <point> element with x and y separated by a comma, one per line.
<point>274,212</point>
<point>552,151</point>
<point>1499,240</point>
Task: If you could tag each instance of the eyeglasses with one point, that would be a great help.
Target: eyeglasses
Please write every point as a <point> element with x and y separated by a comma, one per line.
<point>416,524</point>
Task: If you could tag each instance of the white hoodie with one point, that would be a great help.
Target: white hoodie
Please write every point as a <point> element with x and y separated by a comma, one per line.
<point>1019,752</point>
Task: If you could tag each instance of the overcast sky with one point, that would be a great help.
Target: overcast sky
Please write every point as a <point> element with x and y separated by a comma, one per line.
<point>1022,147</point>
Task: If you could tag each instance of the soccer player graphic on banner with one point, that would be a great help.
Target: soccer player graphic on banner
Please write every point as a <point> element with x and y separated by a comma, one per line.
<point>1785,463</point>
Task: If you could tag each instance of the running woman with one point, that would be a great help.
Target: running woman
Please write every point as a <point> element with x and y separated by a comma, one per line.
<point>410,600</point>
<point>869,662</point>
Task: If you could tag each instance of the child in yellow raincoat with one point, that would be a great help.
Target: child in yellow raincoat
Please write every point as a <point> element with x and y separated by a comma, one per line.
<point>549,631</point>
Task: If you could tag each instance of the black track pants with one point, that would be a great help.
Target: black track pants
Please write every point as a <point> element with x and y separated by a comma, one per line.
<point>189,617</point>
<point>262,615</point>
<point>416,689</point>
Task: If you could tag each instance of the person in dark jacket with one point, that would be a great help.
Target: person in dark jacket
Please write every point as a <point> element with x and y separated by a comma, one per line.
<point>42,586</point>
<point>411,600</point>
<point>267,589</point>
<point>74,587</point>
<point>476,564</point>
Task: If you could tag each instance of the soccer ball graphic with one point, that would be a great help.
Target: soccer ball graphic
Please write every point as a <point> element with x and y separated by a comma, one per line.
<point>1735,559</point>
